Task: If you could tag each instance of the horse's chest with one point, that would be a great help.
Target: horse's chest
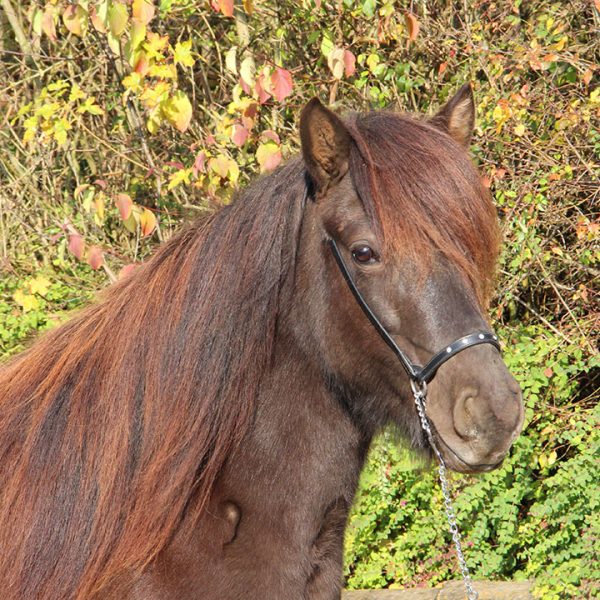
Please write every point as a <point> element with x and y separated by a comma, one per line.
<point>274,528</point>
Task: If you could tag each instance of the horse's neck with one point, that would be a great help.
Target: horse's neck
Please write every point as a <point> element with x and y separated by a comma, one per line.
<point>303,444</point>
<point>275,522</point>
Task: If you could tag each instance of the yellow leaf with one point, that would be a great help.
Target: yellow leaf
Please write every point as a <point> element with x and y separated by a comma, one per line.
<point>178,110</point>
<point>231,60</point>
<point>75,20</point>
<point>163,71</point>
<point>153,123</point>
<point>182,54</point>
<point>117,18</point>
<point>133,82</point>
<point>26,301</point>
<point>520,129</point>
<point>99,207</point>
<point>143,11</point>
<point>225,167</point>
<point>155,44</point>
<point>59,130</point>
<point>153,96</point>
<point>179,177</point>
<point>147,222</point>
<point>268,156</point>
<point>40,285</point>
<point>138,34</point>
<point>335,61</point>
<point>76,93</point>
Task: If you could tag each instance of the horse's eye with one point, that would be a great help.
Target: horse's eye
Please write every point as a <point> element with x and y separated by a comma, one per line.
<point>363,254</point>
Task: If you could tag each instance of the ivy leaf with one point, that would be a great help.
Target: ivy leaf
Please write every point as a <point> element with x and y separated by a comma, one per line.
<point>26,301</point>
<point>95,258</point>
<point>117,18</point>
<point>182,54</point>
<point>281,83</point>
<point>124,205</point>
<point>142,11</point>
<point>40,285</point>
<point>147,222</point>
<point>178,110</point>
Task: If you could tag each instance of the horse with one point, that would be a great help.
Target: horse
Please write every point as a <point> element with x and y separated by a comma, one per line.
<point>199,432</point>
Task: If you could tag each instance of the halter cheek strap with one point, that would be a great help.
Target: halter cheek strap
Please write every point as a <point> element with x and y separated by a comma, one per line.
<point>419,375</point>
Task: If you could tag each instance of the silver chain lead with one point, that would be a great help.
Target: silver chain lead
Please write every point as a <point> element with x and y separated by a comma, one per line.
<point>420,394</point>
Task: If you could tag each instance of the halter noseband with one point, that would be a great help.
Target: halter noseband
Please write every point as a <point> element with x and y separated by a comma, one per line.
<point>418,375</point>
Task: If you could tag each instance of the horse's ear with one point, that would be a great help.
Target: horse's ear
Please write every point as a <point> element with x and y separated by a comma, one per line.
<point>457,116</point>
<point>325,145</point>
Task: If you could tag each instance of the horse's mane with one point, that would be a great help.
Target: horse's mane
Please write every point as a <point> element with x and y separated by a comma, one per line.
<point>117,423</point>
<point>423,193</point>
<point>110,424</point>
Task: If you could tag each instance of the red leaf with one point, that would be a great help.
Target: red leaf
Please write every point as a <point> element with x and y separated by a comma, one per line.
<point>239,135</point>
<point>269,134</point>
<point>100,183</point>
<point>95,258</point>
<point>548,372</point>
<point>245,87</point>
<point>48,26</point>
<point>199,163</point>
<point>263,95</point>
<point>76,245</point>
<point>349,63</point>
<point>127,270</point>
<point>124,204</point>
<point>281,83</point>
<point>442,68</point>
<point>226,7</point>
<point>412,25</point>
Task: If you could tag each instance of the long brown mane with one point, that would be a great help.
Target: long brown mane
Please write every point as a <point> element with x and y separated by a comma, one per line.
<point>420,187</point>
<point>116,424</point>
<point>109,424</point>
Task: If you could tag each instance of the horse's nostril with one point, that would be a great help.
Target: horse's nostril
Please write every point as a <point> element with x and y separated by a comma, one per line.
<point>464,409</point>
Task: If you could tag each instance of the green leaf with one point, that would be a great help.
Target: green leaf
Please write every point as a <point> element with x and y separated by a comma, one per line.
<point>117,18</point>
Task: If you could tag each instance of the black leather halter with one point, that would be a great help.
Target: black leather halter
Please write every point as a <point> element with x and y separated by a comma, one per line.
<point>419,375</point>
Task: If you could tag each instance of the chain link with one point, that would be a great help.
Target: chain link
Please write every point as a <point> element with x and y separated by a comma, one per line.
<point>420,394</point>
